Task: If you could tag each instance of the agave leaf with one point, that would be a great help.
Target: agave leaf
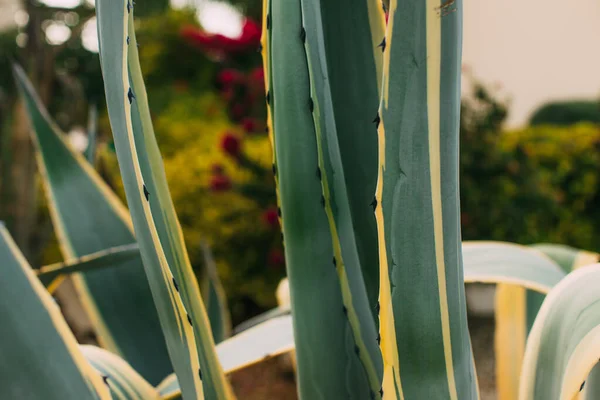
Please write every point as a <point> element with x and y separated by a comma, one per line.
<point>516,310</point>
<point>564,343</point>
<point>169,388</point>
<point>267,315</point>
<point>500,262</point>
<point>423,310</point>
<point>88,218</point>
<point>114,257</point>
<point>326,85</point>
<point>172,281</point>
<point>215,299</point>
<point>36,339</point>
<point>344,40</point>
<point>124,382</point>
<point>569,258</point>
<point>338,352</point>
<point>515,269</point>
<point>90,152</point>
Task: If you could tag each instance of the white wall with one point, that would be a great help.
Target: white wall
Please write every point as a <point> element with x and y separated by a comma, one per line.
<point>536,49</point>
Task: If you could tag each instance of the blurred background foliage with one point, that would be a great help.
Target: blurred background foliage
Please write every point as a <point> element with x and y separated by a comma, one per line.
<point>206,93</point>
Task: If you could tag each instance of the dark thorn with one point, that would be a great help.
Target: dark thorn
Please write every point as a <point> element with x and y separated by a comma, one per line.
<point>267,129</point>
<point>200,373</point>
<point>381,392</point>
<point>582,385</point>
<point>127,40</point>
<point>190,320</point>
<point>268,97</point>
<point>266,356</point>
<point>378,338</point>
<point>303,35</point>
<point>146,193</point>
<point>279,212</point>
<point>344,310</point>
<point>268,21</point>
<point>357,350</point>
<point>319,173</point>
<point>274,168</point>
<point>383,6</point>
<point>175,284</point>
<point>259,48</point>
<point>128,7</point>
<point>374,203</point>
<point>130,95</point>
<point>377,120</point>
<point>137,45</point>
<point>377,307</point>
<point>382,45</point>
<point>334,262</point>
<point>323,200</point>
<point>311,104</point>
<point>105,379</point>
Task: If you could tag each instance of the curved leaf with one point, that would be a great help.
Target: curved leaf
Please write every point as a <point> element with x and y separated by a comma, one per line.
<point>114,257</point>
<point>564,343</point>
<point>499,262</point>
<point>215,298</point>
<point>172,281</point>
<point>36,339</point>
<point>569,258</point>
<point>124,382</point>
<point>88,218</point>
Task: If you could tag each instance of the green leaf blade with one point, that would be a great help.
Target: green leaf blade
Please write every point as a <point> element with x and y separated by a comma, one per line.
<point>421,287</point>
<point>88,218</point>
<point>36,338</point>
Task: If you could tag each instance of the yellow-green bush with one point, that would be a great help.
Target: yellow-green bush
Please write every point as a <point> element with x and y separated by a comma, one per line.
<point>541,185</point>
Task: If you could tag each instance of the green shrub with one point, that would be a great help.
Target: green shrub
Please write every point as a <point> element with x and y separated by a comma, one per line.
<point>565,113</point>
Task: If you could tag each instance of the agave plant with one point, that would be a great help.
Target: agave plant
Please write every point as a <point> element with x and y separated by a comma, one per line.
<point>363,118</point>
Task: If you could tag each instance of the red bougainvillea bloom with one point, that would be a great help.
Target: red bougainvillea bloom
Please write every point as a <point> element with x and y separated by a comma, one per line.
<point>237,111</point>
<point>220,183</point>
<point>257,76</point>
<point>217,169</point>
<point>249,125</point>
<point>229,76</point>
<point>276,257</point>
<point>248,39</point>
<point>231,144</point>
<point>271,217</point>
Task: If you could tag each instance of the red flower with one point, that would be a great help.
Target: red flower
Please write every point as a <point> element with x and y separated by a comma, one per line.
<point>229,76</point>
<point>249,125</point>
<point>276,257</point>
<point>228,94</point>
<point>231,144</point>
<point>257,76</point>
<point>237,111</point>
<point>248,39</point>
<point>217,169</point>
<point>220,183</point>
<point>271,217</point>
